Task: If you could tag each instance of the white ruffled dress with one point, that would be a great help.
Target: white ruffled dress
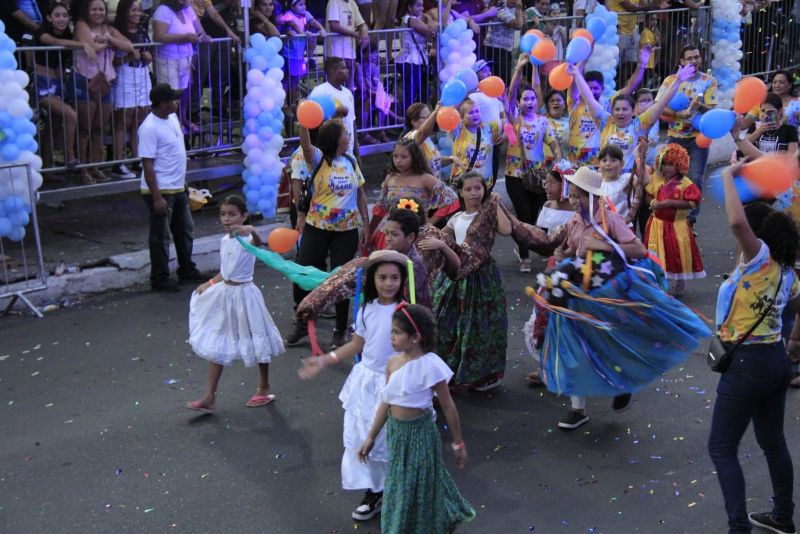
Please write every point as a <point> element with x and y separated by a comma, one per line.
<point>231,322</point>
<point>360,398</point>
<point>411,386</point>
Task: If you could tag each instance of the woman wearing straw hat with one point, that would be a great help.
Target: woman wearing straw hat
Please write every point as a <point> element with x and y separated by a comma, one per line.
<point>612,328</point>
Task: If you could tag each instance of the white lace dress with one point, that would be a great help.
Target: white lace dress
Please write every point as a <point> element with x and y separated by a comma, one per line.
<point>231,322</point>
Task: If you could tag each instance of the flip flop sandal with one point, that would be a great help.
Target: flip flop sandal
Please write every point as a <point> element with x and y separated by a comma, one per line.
<point>257,401</point>
<point>198,407</point>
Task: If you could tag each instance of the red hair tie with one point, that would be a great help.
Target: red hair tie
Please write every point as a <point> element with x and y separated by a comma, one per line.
<point>403,307</point>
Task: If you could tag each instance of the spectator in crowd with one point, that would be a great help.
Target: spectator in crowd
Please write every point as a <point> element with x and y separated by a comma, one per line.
<point>91,79</point>
<point>261,18</point>
<point>375,102</point>
<point>771,133</point>
<point>132,85</point>
<point>413,59</point>
<point>650,36</point>
<point>384,14</point>
<point>506,16</point>
<point>296,23</point>
<point>464,9</point>
<point>177,27</point>
<point>163,188</point>
<point>330,228</point>
<point>50,66</point>
<point>337,73</point>
<point>205,9</point>
<point>581,8</point>
<point>19,25</point>
<point>702,92</point>
<point>781,85</point>
<point>344,19</point>
<point>557,31</point>
<point>627,26</point>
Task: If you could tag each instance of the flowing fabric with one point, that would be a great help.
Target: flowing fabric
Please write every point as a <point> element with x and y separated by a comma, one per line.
<point>305,276</point>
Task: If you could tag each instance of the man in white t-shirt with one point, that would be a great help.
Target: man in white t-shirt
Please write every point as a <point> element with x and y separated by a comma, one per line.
<point>163,185</point>
<point>343,19</point>
<point>337,73</point>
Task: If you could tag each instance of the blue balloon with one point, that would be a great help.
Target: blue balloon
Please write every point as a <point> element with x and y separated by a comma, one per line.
<point>252,197</point>
<point>527,42</point>
<point>25,142</point>
<point>469,77</point>
<point>596,27</point>
<point>5,227</point>
<point>275,44</point>
<point>578,49</point>
<point>13,203</point>
<point>9,152</point>
<point>679,102</point>
<point>717,122</point>
<point>257,40</point>
<point>327,103</point>
<point>17,233</point>
<point>7,60</point>
<point>453,93</point>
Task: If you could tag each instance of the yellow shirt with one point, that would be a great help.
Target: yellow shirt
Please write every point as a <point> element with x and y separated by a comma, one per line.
<point>626,138</point>
<point>584,133</point>
<point>704,87</point>
<point>528,153</point>
<point>647,37</point>
<point>464,147</point>
<point>626,23</point>
<point>200,7</point>
<point>334,204</point>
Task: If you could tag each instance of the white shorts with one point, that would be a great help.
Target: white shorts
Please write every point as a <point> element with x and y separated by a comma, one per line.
<point>176,72</point>
<point>132,87</point>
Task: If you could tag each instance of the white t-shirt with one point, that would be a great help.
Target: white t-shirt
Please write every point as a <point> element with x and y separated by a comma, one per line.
<point>459,224</point>
<point>490,107</point>
<point>162,141</point>
<point>347,14</point>
<point>374,326</point>
<point>344,98</point>
<point>174,25</point>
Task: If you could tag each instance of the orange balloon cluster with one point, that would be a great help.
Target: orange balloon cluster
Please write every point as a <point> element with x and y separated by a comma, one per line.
<point>309,114</point>
<point>281,240</point>
<point>702,141</point>
<point>772,174</point>
<point>493,86</point>
<point>448,118</point>
<point>559,79</point>
<point>749,93</point>
<point>544,50</point>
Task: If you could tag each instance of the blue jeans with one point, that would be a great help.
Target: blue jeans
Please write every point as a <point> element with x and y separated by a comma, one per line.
<point>753,388</point>
<point>697,167</point>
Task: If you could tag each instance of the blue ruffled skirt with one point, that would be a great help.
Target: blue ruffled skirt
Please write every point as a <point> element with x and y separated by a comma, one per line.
<point>618,336</point>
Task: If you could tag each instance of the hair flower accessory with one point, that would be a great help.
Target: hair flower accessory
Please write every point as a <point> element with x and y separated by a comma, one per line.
<point>408,204</point>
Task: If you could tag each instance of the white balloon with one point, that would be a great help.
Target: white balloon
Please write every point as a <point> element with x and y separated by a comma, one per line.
<point>36,181</point>
<point>22,78</point>
<point>18,107</point>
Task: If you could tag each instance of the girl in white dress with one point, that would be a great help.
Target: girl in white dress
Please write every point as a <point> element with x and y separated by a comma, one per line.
<point>384,284</point>
<point>228,319</point>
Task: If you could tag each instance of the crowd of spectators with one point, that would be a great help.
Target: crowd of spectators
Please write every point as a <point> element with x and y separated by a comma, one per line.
<point>388,70</point>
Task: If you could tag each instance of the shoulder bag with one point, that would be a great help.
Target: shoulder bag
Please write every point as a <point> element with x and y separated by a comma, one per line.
<point>720,353</point>
<point>99,86</point>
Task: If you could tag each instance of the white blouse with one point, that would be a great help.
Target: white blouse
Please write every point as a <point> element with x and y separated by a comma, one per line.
<point>411,386</point>
<point>236,264</point>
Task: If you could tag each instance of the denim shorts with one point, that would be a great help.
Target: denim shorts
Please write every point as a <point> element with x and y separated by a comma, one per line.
<point>47,86</point>
<point>78,89</point>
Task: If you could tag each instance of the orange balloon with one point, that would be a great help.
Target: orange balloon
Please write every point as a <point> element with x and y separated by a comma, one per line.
<point>448,118</point>
<point>544,50</point>
<point>583,32</point>
<point>702,141</point>
<point>281,240</point>
<point>537,33</point>
<point>559,79</point>
<point>492,86</point>
<point>749,93</point>
<point>772,174</point>
<point>309,114</point>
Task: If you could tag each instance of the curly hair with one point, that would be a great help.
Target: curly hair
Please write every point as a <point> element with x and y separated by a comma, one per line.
<point>408,220</point>
<point>777,230</point>
<point>674,154</point>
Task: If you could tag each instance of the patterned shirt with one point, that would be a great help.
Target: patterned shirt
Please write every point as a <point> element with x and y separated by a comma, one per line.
<point>579,230</point>
<point>702,86</point>
<point>502,35</point>
<point>625,138</point>
<point>584,133</point>
<point>464,142</point>
<point>334,205</point>
<point>528,153</point>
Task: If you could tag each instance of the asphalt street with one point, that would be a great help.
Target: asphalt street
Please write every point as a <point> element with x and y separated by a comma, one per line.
<point>95,437</point>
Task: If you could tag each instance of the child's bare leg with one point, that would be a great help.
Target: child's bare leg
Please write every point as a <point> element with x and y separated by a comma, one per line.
<point>214,373</point>
<point>263,379</point>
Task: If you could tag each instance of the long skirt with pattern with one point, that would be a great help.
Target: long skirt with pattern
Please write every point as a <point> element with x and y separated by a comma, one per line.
<point>473,324</point>
<point>420,497</point>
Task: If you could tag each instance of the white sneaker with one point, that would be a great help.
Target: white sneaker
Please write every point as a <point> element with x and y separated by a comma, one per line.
<point>525,265</point>
<point>123,172</point>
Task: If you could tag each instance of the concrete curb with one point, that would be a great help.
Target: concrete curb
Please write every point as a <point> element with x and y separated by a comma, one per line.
<point>124,272</point>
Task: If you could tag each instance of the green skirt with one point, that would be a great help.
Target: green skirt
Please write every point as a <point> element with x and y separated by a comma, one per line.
<point>419,495</point>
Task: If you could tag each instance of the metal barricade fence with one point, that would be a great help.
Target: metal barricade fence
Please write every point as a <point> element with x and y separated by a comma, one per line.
<point>770,36</point>
<point>22,269</point>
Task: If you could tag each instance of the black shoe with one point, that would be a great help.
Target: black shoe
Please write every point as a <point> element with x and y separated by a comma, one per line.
<point>338,339</point>
<point>194,276</point>
<point>573,420</point>
<point>622,402</point>
<point>766,522</point>
<point>369,507</point>
<point>296,336</point>
<point>169,286</point>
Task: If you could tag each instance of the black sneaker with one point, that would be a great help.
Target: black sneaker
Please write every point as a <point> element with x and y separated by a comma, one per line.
<point>338,339</point>
<point>573,420</point>
<point>194,276</point>
<point>622,402</point>
<point>170,286</point>
<point>296,336</point>
<point>766,522</point>
<point>369,507</point>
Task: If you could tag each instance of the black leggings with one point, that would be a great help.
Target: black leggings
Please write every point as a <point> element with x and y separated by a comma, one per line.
<point>527,206</point>
<point>315,246</point>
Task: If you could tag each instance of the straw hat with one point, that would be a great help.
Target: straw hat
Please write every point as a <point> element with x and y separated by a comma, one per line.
<point>383,256</point>
<point>588,180</point>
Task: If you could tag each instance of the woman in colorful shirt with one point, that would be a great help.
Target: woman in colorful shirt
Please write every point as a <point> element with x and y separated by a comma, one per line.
<point>753,388</point>
<point>525,171</point>
<point>331,225</point>
<point>473,141</point>
<point>420,121</point>
<point>413,58</point>
<point>505,20</point>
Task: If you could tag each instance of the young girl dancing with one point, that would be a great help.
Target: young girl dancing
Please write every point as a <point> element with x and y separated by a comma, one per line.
<point>612,329</point>
<point>228,319</point>
<point>409,176</point>
<point>383,289</point>
<point>420,496</point>
<point>668,233</point>
<point>469,299</point>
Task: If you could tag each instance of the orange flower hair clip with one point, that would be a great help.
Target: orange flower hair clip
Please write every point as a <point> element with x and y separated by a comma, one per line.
<point>408,204</point>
